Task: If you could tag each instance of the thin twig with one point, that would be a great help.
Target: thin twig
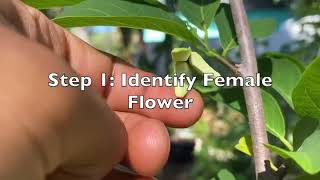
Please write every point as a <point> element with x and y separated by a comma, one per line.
<point>210,53</point>
<point>225,62</point>
<point>253,96</point>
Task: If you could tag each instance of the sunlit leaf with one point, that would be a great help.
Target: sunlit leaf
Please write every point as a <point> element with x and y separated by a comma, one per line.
<point>245,145</point>
<point>303,129</point>
<point>284,71</point>
<point>227,32</point>
<point>306,96</point>
<point>273,115</point>
<point>124,13</point>
<point>307,156</point>
<point>309,177</point>
<point>199,13</point>
<point>47,4</point>
<point>153,2</point>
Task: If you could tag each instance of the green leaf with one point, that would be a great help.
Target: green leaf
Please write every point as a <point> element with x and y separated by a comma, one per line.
<point>262,27</point>
<point>124,13</point>
<point>245,145</point>
<point>226,27</point>
<point>284,71</point>
<point>306,96</point>
<point>47,4</point>
<point>228,37</point>
<point>273,115</point>
<point>224,174</point>
<point>205,89</point>
<point>307,156</point>
<point>199,64</point>
<point>233,97</point>
<point>199,13</point>
<point>155,3</point>
<point>309,177</point>
<point>182,68</point>
<point>181,54</point>
<point>274,118</point>
<point>303,129</point>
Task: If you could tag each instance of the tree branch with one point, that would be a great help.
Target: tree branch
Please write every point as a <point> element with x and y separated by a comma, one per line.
<point>225,62</point>
<point>253,96</point>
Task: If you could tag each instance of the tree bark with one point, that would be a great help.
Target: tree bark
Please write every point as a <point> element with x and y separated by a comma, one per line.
<point>248,67</point>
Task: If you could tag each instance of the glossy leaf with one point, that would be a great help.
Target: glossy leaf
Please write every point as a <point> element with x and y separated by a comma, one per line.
<point>273,115</point>
<point>227,32</point>
<point>307,156</point>
<point>245,145</point>
<point>47,4</point>
<point>306,96</point>
<point>124,13</point>
<point>154,3</point>
<point>274,118</point>
<point>199,12</point>
<point>284,71</point>
<point>224,174</point>
<point>304,128</point>
<point>205,89</point>
<point>199,64</point>
<point>181,54</point>
<point>228,37</point>
<point>309,177</point>
<point>233,97</point>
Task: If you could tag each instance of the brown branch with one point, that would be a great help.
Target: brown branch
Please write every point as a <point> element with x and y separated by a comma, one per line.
<point>223,60</point>
<point>231,66</point>
<point>253,97</point>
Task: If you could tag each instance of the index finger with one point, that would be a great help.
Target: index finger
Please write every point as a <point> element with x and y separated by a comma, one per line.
<point>155,102</point>
<point>87,61</point>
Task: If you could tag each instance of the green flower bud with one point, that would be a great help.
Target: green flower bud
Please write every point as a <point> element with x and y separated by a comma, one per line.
<point>180,54</point>
<point>180,68</point>
<point>199,64</point>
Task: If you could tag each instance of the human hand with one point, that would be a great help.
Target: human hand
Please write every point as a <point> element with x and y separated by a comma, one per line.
<point>62,133</point>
